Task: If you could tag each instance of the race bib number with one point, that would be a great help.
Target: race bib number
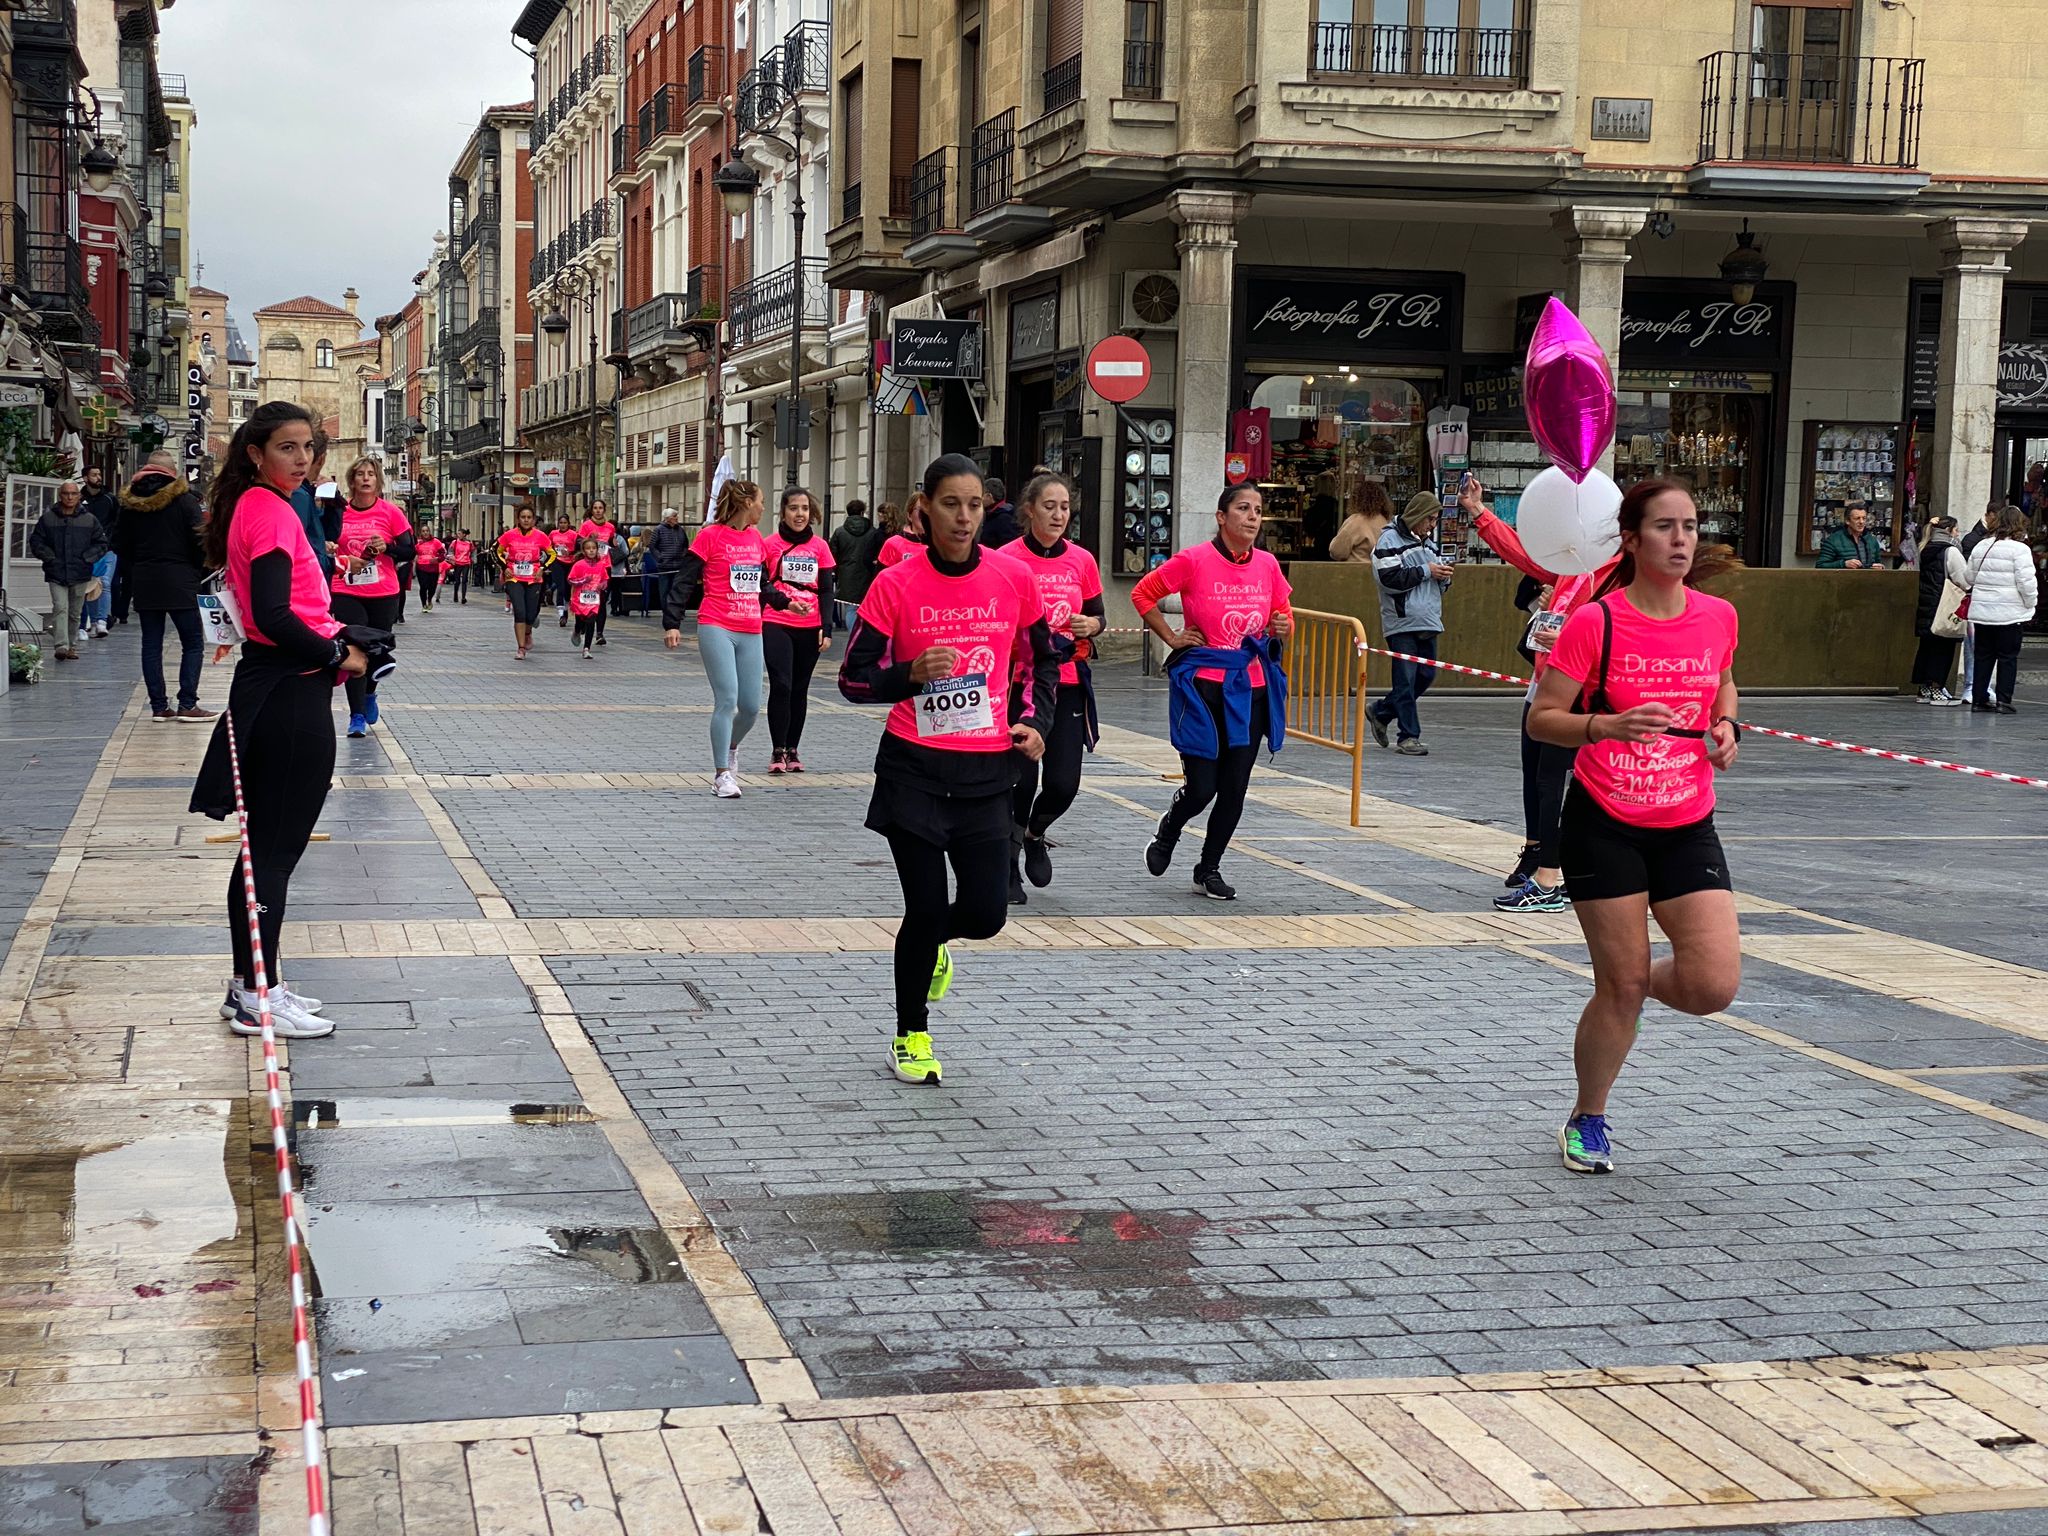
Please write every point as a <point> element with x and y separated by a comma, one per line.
<point>954,706</point>
<point>1544,629</point>
<point>588,599</point>
<point>745,580</point>
<point>800,570</point>
<point>522,568</point>
<point>218,618</point>
<point>368,576</point>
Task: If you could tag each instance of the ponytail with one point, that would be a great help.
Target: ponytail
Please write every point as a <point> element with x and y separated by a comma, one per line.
<point>733,497</point>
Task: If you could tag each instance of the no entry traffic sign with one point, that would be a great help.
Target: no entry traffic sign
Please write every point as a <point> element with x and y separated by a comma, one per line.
<point>1119,369</point>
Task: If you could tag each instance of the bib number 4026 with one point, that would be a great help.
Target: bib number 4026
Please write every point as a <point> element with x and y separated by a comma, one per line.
<point>953,706</point>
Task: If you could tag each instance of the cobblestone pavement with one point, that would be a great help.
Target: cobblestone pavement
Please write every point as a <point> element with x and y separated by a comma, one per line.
<point>1228,1216</point>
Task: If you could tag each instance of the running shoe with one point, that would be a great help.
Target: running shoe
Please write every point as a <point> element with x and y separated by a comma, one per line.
<point>1379,728</point>
<point>358,726</point>
<point>563,621</point>
<point>778,764</point>
<point>286,1022</point>
<point>1017,896</point>
<point>911,1059</point>
<point>239,995</point>
<point>732,761</point>
<point>1159,852</point>
<point>1531,897</point>
<point>1210,883</point>
<point>1583,1140</point>
<point>942,975</point>
<point>1525,865</point>
<point>726,787</point>
<point>1037,862</point>
<point>371,711</point>
<point>589,654</point>
<point>794,763</point>
<point>1411,746</point>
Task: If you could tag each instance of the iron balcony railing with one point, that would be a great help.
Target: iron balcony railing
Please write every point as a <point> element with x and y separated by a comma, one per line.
<point>703,287</point>
<point>54,271</point>
<point>618,333</point>
<point>483,224</point>
<point>173,84</point>
<point>705,76</point>
<point>584,74</point>
<point>1487,56</point>
<point>478,435</point>
<point>1061,85</point>
<point>659,323</point>
<point>1144,69</point>
<point>766,307</point>
<point>806,57</point>
<point>661,114</point>
<point>622,141</point>
<point>849,202</point>
<point>760,97</point>
<point>993,160</point>
<point>43,18</point>
<point>1812,109</point>
<point>934,193</point>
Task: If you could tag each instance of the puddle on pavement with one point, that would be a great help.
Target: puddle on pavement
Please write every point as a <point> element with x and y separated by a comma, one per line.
<point>408,1247</point>
<point>359,1113</point>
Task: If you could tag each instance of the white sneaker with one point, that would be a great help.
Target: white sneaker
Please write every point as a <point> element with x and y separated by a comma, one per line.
<point>286,1022</point>
<point>726,786</point>
<point>239,995</point>
<point>99,630</point>
<point>84,633</point>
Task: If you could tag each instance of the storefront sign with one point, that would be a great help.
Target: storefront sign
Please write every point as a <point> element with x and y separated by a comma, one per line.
<point>1034,327</point>
<point>936,349</point>
<point>1700,326</point>
<point>2022,365</point>
<point>14,396</point>
<point>1350,318</point>
<point>549,476</point>
<point>2022,375</point>
<point>1626,118</point>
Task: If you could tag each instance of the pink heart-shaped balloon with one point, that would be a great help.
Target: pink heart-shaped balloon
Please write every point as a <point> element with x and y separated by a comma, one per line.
<point>1568,392</point>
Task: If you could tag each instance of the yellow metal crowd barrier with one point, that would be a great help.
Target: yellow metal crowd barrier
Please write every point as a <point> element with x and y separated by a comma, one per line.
<point>1326,688</point>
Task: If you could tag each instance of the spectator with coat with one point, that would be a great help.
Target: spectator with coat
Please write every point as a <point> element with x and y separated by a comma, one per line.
<point>1413,577</point>
<point>1371,510</point>
<point>157,539</point>
<point>850,553</point>
<point>1851,546</point>
<point>2003,594</point>
<point>112,603</point>
<point>999,523</point>
<point>1941,565</point>
<point>69,541</point>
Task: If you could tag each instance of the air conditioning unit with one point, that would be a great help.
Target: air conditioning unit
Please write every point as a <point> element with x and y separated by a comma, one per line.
<point>1152,300</point>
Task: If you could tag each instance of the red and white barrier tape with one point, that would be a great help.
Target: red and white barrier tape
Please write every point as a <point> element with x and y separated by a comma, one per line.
<point>302,1342</point>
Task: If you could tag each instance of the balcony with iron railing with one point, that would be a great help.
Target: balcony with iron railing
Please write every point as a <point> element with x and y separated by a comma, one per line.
<point>1144,69</point>
<point>704,79</point>
<point>767,306</point>
<point>622,148</point>
<point>173,85</point>
<point>595,66</point>
<point>760,98</point>
<point>482,228</point>
<point>807,57</point>
<point>660,120</point>
<point>46,21</point>
<point>1811,111</point>
<point>674,326</point>
<point>475,438</point>
<point>993,162</point>
<point>1060,86</point>
<point>932,201</point>
<point>1485,57</point>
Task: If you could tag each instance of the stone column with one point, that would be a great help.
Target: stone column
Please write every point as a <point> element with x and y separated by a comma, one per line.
<point>1202,391</point>
<point>1973,272</point>
<point>1596,242</point>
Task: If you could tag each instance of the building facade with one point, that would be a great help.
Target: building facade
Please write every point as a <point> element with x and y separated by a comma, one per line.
<point>1803,245</point>
<point>298,346</point>
<point>573,279</point>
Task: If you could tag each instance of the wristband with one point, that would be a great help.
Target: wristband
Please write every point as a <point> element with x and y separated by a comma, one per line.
<point>1730,720</point>
<point>1590,737</point>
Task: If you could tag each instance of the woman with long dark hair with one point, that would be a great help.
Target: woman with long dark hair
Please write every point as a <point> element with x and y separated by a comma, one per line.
<point>375,540</point>
<point>944,638</point>
<point>721,578</point>
<point>281,703</point>
<point>1641,685</point>
<point>793,637</point>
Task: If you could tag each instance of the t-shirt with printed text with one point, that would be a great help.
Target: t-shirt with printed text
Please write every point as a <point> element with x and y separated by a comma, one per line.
<point>587,581</point>
<point>1065,578</point>
<point>733,558</point>
<point>896,549</point>
<point>1223,597</point>
<point>461,552</point>
<point>359,525</point>
<point>427,554</point>
<point>986,615</point>
<point>794,569</point>
<point>265,521</point>
<point>523,553</point>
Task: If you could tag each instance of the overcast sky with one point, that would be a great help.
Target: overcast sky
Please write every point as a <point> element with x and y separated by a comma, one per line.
<point>327,129</point>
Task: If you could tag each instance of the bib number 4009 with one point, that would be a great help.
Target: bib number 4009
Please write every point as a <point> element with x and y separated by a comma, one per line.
<point>953,706</point>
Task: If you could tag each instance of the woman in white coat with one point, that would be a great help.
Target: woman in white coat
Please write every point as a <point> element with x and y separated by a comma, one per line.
<point>2003,592</point>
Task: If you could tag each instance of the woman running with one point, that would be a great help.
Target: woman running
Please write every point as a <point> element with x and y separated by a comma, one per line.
<point>721,577</point>
<point>461,556</point>
<point>428,555</point>
<point>563,539</point>
<point>944,639</point>
<point>375,537</point>
<point>1070,590</point>
<point>598,525</point>
<point>524,551</point>
<point>281,703</point>
<point>800,567</point>
<point>1641,685</point>
<point>1228,688</point>
<point>909,540</point>
<point>588,578</point>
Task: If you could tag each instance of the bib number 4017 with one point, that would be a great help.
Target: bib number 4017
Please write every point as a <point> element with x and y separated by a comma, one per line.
<point>953,706</point>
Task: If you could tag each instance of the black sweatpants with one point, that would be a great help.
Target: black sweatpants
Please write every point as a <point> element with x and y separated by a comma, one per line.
<point>287,768</point>
<point>1934,661</point>
<point>378,613</point>
<point>1222,780</point>
<point>932,917</point>
<point>792,655</point>
<point>430,583</point>
<point>1546,770</point>
<point>1998,660</point>
<point>1038,808</point>
<point>458,581</point>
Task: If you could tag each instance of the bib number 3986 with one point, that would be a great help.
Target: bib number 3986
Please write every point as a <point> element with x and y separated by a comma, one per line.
<point>953,706</point>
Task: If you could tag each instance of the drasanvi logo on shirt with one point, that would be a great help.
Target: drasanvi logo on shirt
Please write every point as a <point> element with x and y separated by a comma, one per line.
<point>1240,622</point>
<point>1059,613</point>
<point>930,613</point>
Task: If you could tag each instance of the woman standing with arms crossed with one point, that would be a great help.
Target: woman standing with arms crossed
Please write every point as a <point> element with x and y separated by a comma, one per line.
<point>800,567</point>
<point>375,538</point>
<point>722,572</point>
<point>1641,684</point>
<point>524,551</point>
<point>944,638</point>
<point>1070,590</point>
<point>1228,688</point>
<point>281,703</point>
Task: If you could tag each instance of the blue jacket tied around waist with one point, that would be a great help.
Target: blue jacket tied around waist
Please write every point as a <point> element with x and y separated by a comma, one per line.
<point>1189,723</point>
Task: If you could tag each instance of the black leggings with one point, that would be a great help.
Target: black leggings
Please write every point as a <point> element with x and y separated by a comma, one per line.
<point>1998,660</point>
<point>587,626</point>
<point>1934,661</point>
<point>930,918</point>
<point>287,768</point>
<point>430,583</point>
<point>1036,809</point>
<point>458,582</point>
<point>1222,779</point>
<point>1546,770</point>
<point>524,596</point>
<point>792,655</point>
<point>378,613</point>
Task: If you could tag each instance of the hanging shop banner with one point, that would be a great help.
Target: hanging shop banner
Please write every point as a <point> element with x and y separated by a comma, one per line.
<point>936,349</point>
<point>550,474</point>
<point>1349,317</point>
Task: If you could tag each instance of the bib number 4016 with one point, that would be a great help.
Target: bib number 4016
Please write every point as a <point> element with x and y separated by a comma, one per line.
<point>953,706</point>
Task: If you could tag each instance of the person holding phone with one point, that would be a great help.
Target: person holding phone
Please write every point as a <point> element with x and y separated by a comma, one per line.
<point>1413,576</point>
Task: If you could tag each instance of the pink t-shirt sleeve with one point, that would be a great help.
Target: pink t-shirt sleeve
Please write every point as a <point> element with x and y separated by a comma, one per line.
<point>1089,572</point>
<point>1576,652</point>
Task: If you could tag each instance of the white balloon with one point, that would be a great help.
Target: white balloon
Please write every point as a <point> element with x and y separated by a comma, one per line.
<point>1567,528</point>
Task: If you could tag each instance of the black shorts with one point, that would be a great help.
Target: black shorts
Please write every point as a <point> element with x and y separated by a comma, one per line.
<point>1605,858</point>
<point>525,597</point>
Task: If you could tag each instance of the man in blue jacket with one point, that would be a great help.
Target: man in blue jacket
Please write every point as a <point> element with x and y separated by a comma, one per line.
<point>1412,576</point>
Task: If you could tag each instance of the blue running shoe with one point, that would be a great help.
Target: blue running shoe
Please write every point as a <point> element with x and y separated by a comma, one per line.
<point>1531,897</point>
<point>1583,1140</point>
<point>358,726</point>
<point>370,710</point>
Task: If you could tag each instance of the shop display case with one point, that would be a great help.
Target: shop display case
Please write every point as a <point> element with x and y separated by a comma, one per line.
<point>1702,439</point>
<point>1143,518</point>
<point>1844,460</point>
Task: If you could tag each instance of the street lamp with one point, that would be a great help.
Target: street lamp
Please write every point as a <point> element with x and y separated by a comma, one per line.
<point>582,291</point>
<point>738,184</point>
<point>100,166</point>
<point>490,355</point>
<point>1744,267</point>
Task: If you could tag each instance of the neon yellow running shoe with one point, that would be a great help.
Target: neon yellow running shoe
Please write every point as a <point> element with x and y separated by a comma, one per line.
<point>942,976</point>
<point>911,1058</point>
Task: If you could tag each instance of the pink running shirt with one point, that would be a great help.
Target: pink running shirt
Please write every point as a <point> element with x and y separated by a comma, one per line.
<point>461,552</point>
<point>1223,598</point>
<point>266,521</point>
<point>794,568</point>
<point>358,526</point>
<point>896,549</point>
<point>427,554</point>
<point>1667,782</point>
<point>985,615</point>
<point>587,581</point>
<point>1065,580</point>
<point>732,559</point>
<point>602,532</point>
<point>523,553</point>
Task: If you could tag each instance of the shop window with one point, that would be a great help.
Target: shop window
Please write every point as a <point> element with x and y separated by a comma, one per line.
<point>1484,41</point>
<point>1332,431</point>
